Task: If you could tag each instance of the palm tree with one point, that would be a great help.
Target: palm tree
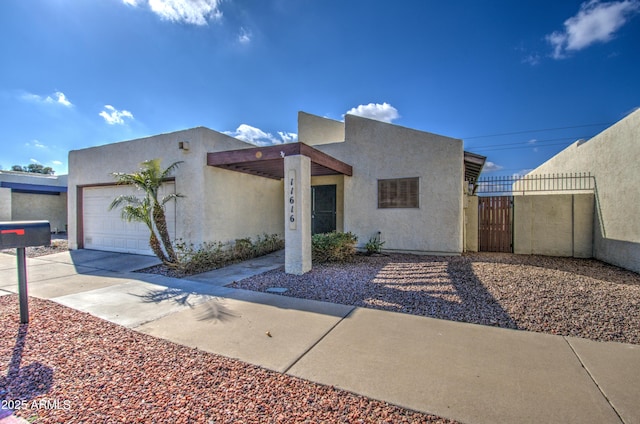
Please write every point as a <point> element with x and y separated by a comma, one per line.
<point>139,210</point>
<point>150,210</point>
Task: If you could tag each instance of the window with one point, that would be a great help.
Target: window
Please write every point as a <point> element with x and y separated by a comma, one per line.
<point>398,193</point>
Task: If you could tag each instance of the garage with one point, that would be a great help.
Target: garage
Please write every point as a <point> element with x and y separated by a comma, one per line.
<point>106,230</point>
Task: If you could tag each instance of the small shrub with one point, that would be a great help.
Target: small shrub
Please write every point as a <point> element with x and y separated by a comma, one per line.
<point>266,244</point>
<point>213,255</point>
<point>242,249</point>
<point>333,247</point>
<point>374,245</point>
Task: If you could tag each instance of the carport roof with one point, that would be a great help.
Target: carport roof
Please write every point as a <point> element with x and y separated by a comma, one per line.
<point>269,161</point>
<point>33,188</point>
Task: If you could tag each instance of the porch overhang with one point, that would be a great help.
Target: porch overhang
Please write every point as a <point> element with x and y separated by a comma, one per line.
<point>473,164</point>
<point>269,161</point>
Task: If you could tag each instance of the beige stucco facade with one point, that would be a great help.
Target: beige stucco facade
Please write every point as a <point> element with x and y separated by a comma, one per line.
<point>554,225</point>
<point>28,201</point>
<point>612,158</point>
<point>5,204</point>
<point>470,223</point>
<point>218,205</point>
<point>222,205</point>
<point>378,150</point>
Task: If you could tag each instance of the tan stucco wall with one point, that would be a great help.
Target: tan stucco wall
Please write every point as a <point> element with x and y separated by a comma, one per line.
<point>377,150</point>
<point>553,225</point>
<point>218,205</point>
<point>314,130</point>
<point>470,223</point>
<point>612,157</point>
<point>29,206</point>
<point>5,204</point>
<point>240,205</point>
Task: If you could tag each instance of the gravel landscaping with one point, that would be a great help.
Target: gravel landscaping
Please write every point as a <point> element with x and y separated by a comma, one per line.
<point>566,296</point>
<point>67,366</point>
<point>58,244</point>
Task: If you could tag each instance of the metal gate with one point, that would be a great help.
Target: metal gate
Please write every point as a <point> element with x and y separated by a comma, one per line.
<point>495,224</point>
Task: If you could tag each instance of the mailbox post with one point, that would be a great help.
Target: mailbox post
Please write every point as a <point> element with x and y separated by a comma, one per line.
<point>18,235</point>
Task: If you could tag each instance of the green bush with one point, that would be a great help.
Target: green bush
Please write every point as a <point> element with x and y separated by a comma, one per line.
<point>374,245</point>
<point>213,255</point>
<point>333,247</point>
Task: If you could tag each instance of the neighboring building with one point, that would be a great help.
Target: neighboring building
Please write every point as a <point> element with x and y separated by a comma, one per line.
<point>612,158</point>
<point>360,175</point>
<point>28,196</point>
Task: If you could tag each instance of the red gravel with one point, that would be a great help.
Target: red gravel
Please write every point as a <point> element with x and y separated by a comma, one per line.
<point>66,366</point>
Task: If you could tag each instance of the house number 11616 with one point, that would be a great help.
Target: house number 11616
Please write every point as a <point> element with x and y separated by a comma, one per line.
<point>292,199</point>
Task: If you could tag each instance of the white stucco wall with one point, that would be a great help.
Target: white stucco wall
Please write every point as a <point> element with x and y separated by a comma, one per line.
<point>612,157</point>
<point>378,150</point>
<point>216,203</point>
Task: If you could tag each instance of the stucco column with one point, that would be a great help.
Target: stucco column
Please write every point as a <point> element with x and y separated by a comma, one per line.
<point>297,214</point>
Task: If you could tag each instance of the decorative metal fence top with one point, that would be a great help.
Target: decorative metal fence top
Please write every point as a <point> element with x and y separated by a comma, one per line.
<point>575,182</point>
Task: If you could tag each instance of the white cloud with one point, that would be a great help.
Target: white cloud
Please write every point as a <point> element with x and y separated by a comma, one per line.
<point>244,37</point>
<point>113,116</point>
<point>258,137</point>
<point>532,59</point>
<point>521,173</point>
<point>58,98</point>
<point>56,162</point>
<point>491,167</point>
<point>195,12</point>
<point>35,143</point>
<point>32,160</point>
<point>595,22</point>
<point>382,112</point>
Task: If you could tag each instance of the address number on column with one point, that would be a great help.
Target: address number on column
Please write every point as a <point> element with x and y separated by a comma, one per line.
<point>291,189</point>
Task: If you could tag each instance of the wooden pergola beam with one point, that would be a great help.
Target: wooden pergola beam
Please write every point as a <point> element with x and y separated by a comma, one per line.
<point>269,161</point>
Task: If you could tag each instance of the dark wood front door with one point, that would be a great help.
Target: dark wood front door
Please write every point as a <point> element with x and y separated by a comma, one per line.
<point>323,209</point>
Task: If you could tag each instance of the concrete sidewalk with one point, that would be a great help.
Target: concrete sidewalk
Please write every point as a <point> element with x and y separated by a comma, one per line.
<point>471,373</point>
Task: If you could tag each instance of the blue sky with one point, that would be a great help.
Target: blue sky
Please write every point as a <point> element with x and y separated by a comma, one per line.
<point>517,80</point>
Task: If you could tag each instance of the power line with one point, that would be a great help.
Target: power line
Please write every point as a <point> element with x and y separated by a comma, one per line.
<point>539,130</point>
<point>524,147</point>
<point>524,144</point>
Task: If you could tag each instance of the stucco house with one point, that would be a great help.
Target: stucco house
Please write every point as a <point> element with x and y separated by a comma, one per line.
<point>611,157</point>
<point>28,196</point>
<point>360,175</point>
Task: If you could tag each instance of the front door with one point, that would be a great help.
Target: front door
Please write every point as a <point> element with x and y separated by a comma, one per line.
<point>323,209</point>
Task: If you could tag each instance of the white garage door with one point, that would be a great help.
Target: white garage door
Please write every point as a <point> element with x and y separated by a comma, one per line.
<point>106,230</point>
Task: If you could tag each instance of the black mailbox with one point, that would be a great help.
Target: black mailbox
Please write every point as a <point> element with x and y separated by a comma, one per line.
<point>19,235</point>
<point>24,234</point>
